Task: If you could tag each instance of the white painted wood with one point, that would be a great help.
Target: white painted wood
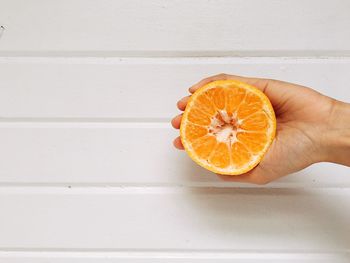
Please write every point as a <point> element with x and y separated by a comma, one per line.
<point>87,169</point>
<point>167,219</point>
<point>171,257</point>
<point>119,154</point>
<point>140,88</point>
<point>166,27</point>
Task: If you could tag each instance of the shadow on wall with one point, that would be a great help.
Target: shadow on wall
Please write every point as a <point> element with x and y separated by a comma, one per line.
<point>319,175</point>
<point>188,171</point>
<point>250,217</point>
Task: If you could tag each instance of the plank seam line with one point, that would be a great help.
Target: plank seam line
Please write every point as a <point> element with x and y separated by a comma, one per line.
<point>209,184</point>
<point>84,123</point>
<point>214,184</point>
<point>256,191</point>
<point>173,60</point>
<point>178,53</point>
<point>194,255</point>
<point>25,119</point>
<point>175,251</point>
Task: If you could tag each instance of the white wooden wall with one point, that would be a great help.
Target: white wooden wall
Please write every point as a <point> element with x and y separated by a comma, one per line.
<point>87,169</point>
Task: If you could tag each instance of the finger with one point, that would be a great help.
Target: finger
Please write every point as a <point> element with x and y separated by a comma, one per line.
<point>206,81</point>
<point>176,122</point>
<point>259,83</point>
<point>255,176</point>
<point>277,91</point>
<point>178,144</point>
<point>181,104</point>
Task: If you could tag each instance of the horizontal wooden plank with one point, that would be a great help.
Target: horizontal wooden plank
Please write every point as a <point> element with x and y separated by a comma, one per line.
<point>171,257</point>
<point>118,154</point>
<point>140,88</point>
<point>169,27</point>
<point>166,219</point>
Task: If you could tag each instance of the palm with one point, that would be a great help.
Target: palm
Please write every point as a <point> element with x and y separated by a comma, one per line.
<point>294,146</point>
<point>290,151</point>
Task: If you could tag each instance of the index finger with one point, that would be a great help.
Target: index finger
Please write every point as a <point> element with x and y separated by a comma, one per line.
<point>259,83</point>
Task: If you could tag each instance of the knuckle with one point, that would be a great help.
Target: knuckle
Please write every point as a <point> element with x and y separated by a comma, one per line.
<point>274,81</point>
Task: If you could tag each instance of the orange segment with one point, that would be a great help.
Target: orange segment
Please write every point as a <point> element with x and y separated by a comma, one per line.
<point>255,142</point>
<point>239,154</point>
<point>194,131</point>
<point>217,96</point>
<point>204,146</point>
<point>221,156</point>
<point>234,97</point>
<point>255,122</point>
<point>228,126</point>
<point>204,104</point>
<point>198,117</point>
<point>252,104</point>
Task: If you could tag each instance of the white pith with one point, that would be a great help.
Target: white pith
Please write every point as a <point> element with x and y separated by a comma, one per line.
<point>224,128</point>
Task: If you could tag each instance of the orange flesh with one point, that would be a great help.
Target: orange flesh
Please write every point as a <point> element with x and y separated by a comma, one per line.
<point>228,126</point>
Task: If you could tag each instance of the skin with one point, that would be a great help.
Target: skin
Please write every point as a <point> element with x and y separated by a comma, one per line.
<point>311,128</point>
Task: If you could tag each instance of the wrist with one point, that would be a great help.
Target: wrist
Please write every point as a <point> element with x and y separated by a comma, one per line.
<point>336,138</point>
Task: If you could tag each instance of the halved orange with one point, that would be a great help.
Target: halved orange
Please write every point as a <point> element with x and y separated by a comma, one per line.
<point>228,126</point>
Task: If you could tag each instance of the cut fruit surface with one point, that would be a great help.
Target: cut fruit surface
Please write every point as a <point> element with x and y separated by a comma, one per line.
<point>228,126</point>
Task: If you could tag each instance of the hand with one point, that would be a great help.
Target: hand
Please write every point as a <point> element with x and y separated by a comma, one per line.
<point>304,118</point>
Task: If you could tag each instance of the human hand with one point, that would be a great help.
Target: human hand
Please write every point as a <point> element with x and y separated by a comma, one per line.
<point>307,124</point>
